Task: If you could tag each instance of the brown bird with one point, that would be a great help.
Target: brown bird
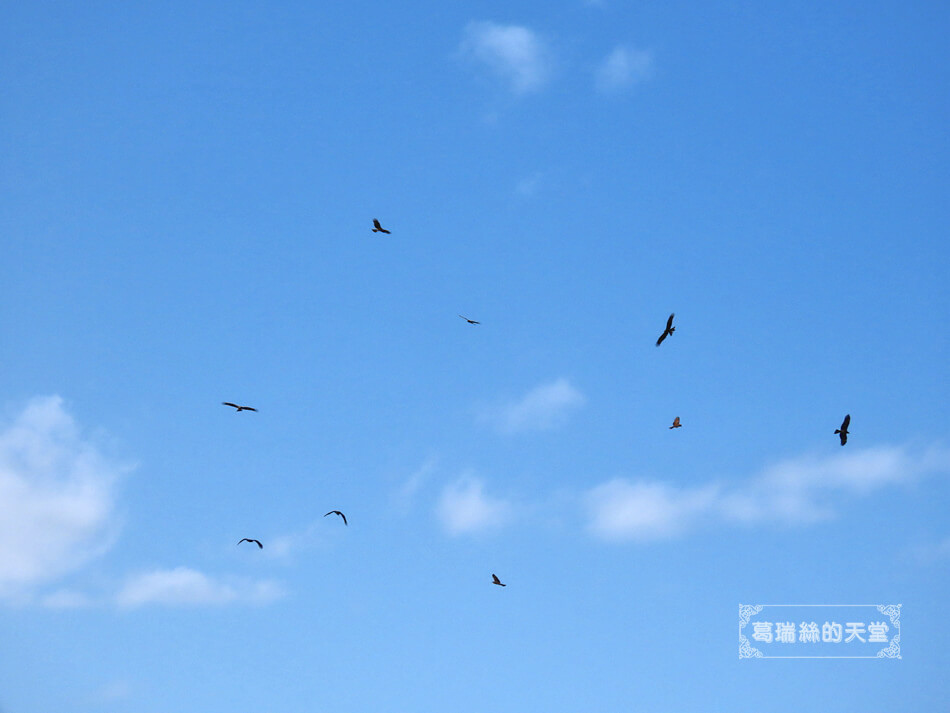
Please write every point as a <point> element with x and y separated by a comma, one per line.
<point>470,321</point>
<point>337,512</point>
<point>495,580</point>
<point>666,332</point>
<point>676,423</point>
<point>377,228</point>
<point>843,431</point>
<point>239,408</point>
<point>248,539</point>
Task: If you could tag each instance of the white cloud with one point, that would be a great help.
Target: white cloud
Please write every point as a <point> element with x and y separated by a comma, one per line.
<point>795,492</point>
<point>513,52</point>
<point>643,510</point>
<point>57,493</point>
<point>623,68</point>
<point>544,407</point>
<point>183,586</point>
<point>464,508</point>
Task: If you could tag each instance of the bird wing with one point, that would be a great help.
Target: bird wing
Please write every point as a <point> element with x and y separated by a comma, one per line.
<point>495,579</point>
<point>258,543</point>
<point>248,408</point>
<point>332,512</point>
<point>669,322</point>
<point>676,421</point>
<point>662,337</point>
<point>228,403</point>
<point>376,224</point>
<point>846,422</point>
<point>344,518</point>
<point>843,436</point>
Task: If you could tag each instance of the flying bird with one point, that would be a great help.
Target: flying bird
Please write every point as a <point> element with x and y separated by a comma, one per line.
<point>470,321</point>
<point>248,539</point>
<point>337,512</point>
<point>495,580</point>
<point>843,431</point>
<point>377,228</point>
<point>676,423</point>
<point>666,332</point>
<point>239,408</point>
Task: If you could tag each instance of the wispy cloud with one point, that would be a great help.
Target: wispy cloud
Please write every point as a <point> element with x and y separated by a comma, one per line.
<point>623,68</point>
<point>464,508</point>
<point>544,407</point>
<point>65,599</point>
<point>183,586</point>
<point>407,491</point>
<point>793,492</point>
<point>514,53</point>
<point>57,493</point>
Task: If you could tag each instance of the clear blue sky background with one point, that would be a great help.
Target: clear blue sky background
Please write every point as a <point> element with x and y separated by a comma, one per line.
<point>186,196</point>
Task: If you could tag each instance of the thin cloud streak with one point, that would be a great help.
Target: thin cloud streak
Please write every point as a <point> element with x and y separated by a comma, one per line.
<point>183,586</point>
<point>545,407</point>
<point>798,491</point>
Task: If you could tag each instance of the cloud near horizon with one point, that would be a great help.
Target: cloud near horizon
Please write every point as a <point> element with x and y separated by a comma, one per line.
<point>57,497</point>
<point>515,53</point>
<point>544,407</point>
<point>793,492</point>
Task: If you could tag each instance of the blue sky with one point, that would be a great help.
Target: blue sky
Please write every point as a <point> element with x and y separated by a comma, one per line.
<point>186,197</point>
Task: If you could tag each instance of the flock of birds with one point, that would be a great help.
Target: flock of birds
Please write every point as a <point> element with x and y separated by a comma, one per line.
<point>841,432</point>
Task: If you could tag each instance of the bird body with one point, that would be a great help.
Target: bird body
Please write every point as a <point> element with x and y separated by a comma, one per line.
<point>337,512</point>
<point>843,431</point>
<point>676,423</point>
<point>248,539</point>
<point>495,580</point>
<point>239,408</point>
<point>377,228</point>
<point>666,332</point>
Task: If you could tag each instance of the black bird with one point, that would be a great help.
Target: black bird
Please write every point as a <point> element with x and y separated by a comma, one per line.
<point>495,580</point>
<point>239,408</point>
<point>248,539</point>
<point>377,228</point>
<point>843,431</point>
<point>470,321</point>
<point>676,423</point>
<point>666,332</point>
<point>337,512</point>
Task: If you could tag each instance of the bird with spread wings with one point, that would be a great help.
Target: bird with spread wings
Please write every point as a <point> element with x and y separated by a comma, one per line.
<point>337,512</point>
<point>843,431</point>
<point>239,408</point>
<point>248,539</point>
<point>666,332</point>
<point>377,228</point>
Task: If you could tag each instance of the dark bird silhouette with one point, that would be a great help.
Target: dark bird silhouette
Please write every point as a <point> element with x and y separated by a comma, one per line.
<point>676,423</point>
<point>470,321</point>
<point>666,332</point>
<point>843,431</point>
<point>239,408</point>
<point>377,228</point>
<point>248,539</point>
<point>495,580</point>
<point>337,512</point>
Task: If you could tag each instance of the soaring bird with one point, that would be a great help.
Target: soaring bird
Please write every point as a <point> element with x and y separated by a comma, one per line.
<point>495,580</point>
<point>239,408</point>
<point>843,431</point>
<point>666,332</point>
<point>248,539</point>
<point>337,512</point>
<point>676,423</point>
<point>377,228</point>
<point>470,321</point>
